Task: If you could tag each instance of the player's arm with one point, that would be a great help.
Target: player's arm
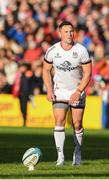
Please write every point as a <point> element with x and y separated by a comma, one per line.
<point>87,72</point>
<point>47,78</point>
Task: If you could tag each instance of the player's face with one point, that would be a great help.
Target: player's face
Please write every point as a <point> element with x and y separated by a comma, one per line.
<point>67,34</point>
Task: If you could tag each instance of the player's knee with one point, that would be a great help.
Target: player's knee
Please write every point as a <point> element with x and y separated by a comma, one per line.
<point>59,122</point>
<point>77,125</point>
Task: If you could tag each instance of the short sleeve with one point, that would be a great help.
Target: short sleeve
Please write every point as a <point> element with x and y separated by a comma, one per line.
<point>85,56</point>
<point>49,56</point>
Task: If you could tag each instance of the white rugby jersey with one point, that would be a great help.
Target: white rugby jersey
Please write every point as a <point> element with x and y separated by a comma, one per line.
<point>67,64</point>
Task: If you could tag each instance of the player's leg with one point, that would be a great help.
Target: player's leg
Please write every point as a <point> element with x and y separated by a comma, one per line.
<point>60,110</point>
<point>77,116</point>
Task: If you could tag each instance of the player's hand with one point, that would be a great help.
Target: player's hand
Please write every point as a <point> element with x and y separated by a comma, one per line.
<point>50,96</point>
<point>74,99</point>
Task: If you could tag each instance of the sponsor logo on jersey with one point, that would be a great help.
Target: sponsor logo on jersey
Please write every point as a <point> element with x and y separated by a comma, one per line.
<point>66,66</point>
<point>57,56</point>
<point>75,54</point>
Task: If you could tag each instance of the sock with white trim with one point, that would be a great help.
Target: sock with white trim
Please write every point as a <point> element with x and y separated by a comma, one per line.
<point>78,137</point>
<point>59,136</point>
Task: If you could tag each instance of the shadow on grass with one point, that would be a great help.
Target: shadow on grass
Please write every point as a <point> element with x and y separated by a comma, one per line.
<point>13,146</point>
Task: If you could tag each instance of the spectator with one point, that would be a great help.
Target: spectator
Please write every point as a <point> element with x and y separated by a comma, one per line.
<point>5,88</point>
<point>33,52</point>
<point>37,81</point>
<point>10,66</point>
<point>22,86</point>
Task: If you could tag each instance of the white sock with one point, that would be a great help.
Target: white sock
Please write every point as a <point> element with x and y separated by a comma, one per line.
<point>78,137</point>
<point>59,136</point>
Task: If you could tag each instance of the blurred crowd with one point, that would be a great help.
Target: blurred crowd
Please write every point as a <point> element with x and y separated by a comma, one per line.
<point>29,27</point>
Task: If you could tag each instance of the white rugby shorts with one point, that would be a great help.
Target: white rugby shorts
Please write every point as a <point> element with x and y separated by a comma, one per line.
<point>62,99</point>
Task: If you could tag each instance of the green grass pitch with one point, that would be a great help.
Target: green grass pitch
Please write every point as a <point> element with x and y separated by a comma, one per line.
<point>15,141</point>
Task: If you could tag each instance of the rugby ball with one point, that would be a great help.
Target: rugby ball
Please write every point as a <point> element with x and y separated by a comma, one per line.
<point>31,157</point>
